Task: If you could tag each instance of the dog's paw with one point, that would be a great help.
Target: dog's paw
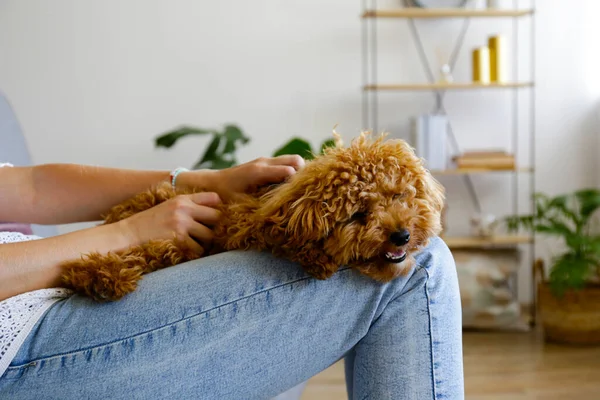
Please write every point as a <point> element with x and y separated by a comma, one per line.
<point>102,278</point>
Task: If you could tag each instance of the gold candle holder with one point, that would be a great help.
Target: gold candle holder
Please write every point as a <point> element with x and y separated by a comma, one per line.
<point>497,50</point>
<point>481,65</point>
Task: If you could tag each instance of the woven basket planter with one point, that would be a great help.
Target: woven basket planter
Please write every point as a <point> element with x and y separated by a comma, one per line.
<point>571,319</point>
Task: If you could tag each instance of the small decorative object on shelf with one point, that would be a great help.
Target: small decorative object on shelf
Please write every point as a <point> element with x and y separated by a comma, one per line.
<point>484,225</point>
<point>479,4</point>
<point>497,51</point>
<point>446,74</point>
<point>481,65</point>
<point>499,4</point>
<point>489,61</point>
<point>445,68</point>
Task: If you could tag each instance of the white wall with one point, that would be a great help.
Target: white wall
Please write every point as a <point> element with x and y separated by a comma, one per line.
<point>95,82</point>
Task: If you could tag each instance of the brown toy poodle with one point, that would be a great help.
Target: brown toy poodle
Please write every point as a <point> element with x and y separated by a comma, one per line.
<point>370,206</point>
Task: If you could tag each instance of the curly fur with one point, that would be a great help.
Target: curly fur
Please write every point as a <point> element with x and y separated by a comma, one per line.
<point>339,209</point>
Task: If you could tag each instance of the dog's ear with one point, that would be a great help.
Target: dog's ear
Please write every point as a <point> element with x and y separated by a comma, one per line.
<point>432,191</point>
<point>296,224</point>
<point>431,197</point>
<point>291,214</point>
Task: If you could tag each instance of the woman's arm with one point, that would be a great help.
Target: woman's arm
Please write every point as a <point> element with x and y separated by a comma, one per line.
<point>61,193</point>
<point>31,265</point>
<point>52,194</point>
<point>65,193</point>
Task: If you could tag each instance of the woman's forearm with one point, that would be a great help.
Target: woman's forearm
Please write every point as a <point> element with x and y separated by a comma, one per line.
<point>67,193</point>
<point>32,265</point>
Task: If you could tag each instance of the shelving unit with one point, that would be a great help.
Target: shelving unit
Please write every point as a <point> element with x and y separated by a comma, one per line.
<point>415,12</point>
<point>469,171</point>
<point>447,86</point>
<point>372,87</point>
<point>458,242</point>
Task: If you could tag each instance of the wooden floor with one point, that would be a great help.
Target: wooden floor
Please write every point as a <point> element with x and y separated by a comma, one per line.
<point>503,366</point>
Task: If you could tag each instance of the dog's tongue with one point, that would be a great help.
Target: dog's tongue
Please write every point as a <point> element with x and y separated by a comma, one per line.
<point>397,253</point>
<point>395,256</point>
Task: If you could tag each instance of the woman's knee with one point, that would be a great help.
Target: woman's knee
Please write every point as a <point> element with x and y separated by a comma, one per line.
<point>437,260</point>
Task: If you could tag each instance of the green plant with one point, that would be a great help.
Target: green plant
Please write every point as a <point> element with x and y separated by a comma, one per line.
<point>301,147</point>
<point>570,217</point>
<point>220,152</point>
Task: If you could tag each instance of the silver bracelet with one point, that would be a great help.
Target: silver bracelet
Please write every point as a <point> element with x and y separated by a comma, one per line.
<point>174,174</point>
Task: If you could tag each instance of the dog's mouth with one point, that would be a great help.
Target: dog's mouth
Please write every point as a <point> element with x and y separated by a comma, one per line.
<point>396,256</point>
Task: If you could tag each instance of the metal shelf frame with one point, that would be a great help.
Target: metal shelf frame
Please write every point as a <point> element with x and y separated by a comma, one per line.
<point>371,88</point>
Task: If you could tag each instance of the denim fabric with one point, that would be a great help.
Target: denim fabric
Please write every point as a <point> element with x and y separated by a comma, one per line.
<point>246,325</point>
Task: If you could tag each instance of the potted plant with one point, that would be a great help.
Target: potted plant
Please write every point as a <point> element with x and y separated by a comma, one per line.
<point>569,297</point>
<point>220,153</point>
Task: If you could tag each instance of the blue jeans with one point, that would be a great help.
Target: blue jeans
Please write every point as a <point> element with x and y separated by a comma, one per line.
<point>246,325</point>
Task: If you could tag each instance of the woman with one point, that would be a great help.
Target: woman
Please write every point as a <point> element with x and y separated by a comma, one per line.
<point>238,325</point>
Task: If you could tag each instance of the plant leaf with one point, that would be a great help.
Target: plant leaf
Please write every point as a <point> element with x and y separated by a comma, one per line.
<point>589,200</point>
<point>233,134</point>
<point>296,146</point>
<point>211,152</point>
<point>550,229</point>
<point>168,139</point>
<point>513,222</point>
<point>327,143</point>
<point>570,271</point>
<point>541,201</point>
<point>561,204</point>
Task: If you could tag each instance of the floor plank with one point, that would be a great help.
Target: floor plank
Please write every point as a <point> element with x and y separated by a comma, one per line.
<point>503,366</point>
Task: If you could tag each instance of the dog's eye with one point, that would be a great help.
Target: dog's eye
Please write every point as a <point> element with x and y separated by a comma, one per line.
<point>397,196</point>
<point>359,216</point>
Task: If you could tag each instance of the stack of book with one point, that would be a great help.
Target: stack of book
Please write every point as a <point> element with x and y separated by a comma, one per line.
<point>493,159</point>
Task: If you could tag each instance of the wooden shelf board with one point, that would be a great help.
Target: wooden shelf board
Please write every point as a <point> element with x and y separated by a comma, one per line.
<point>466,171</point>
<point>458,242</point>
<point>415,12</point>
<point>448,86</point>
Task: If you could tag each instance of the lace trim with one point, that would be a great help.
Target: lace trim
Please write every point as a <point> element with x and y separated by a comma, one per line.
<point>19,314</point>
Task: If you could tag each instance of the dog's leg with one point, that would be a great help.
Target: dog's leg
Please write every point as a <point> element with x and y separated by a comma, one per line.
<point>109,277</point>
<point>105,277</point>
<point>312,259</point>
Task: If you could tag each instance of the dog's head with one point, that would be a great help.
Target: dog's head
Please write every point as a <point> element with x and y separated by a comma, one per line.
<point>370,206</point>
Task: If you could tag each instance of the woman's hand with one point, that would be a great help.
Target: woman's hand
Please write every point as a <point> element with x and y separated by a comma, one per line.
<point>188,217</point>
<point>244,177</point>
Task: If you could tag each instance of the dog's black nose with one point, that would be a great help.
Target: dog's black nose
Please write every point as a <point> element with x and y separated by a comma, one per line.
<point>400,238</point>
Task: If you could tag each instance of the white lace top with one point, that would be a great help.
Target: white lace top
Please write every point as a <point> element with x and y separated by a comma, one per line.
<point>19,314</point>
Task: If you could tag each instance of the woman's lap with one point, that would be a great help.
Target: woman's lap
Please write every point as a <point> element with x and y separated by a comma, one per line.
<point>249,326</point>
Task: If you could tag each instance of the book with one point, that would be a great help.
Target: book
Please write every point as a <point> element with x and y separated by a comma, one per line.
<point>502,162</point>
<point>483,153</point>
<point>430,139</point>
